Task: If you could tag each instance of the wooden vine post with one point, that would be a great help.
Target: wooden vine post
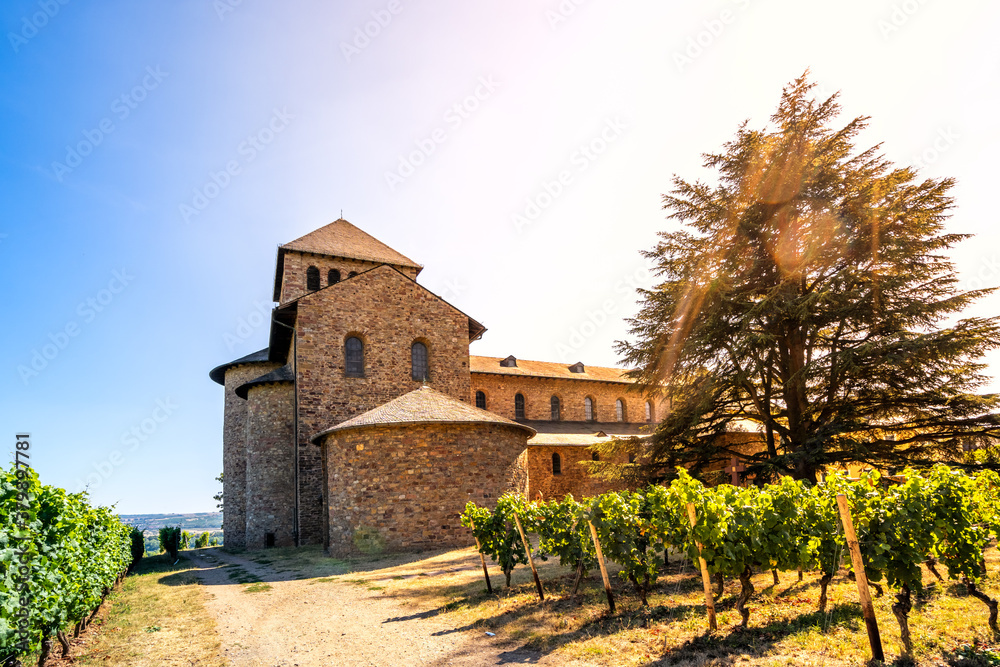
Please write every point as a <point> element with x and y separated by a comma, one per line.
<point>867,609</point>
<point>486,572</point>
<point>604,568</point>
<point>706,579</point>
<point>531,562</point>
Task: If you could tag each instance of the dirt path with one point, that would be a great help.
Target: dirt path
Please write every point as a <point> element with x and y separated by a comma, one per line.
<point>301,623</point>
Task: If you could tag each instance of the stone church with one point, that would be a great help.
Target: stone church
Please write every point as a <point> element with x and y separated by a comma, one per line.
<point>366,418</point>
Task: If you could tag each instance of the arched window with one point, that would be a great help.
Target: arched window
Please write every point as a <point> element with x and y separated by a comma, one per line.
<point>556,465</point>
<point>649,411</point>
<point>554,403</point>
<point>420,365</point>
<point>333,277</point>
<point>519,406</point>
<point>354,354</point>
<point>480,400</point>
<point>312,279</point>
<point>352,274</point>
<point>620,410</point>
<point>594,456</point>
<point>588,409</point>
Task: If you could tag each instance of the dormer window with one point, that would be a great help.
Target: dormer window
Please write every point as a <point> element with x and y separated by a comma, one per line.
<point>312,279</point>
<point>509,362</point>
<point>577,368</point>
<point>333,277</point>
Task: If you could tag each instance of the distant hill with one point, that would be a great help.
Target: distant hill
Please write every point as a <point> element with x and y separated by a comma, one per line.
<point>202,521</point>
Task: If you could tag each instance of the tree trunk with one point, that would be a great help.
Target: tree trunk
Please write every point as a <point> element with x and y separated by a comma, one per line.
<point>641,590</point>
<point>506,573</point>
<point>579,577</point>
<point>65,643</point>
<point>77,629</point>
<point>43,655</point>
<point>800,575</point>
<point>931,564</point>
<point>720,583</point>
<point>774,573</point>
<point>989,602</point>
<point>902,610</point>
<point>823,583</point>
<point>745,592</point>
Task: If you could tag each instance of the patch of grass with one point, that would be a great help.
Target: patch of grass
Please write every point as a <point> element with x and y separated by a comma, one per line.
<point>154,618</point>
<point>259,587</point>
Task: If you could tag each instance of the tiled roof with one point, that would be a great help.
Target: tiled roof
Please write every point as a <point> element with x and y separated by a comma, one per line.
<point>423,406</point>
<point>546,369</point>
<point>583,434</point>
<point>219,372</point>
<point>283,374</point>
<point>342,239</point>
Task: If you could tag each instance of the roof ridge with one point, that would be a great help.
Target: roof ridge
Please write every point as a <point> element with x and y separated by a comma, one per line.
<point>342,238</point>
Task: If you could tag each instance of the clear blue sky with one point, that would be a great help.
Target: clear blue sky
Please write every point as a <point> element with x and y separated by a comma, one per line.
<point>432,133</point>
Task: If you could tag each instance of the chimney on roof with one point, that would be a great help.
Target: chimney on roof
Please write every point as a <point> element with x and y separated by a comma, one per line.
<point>577,368</point>
<point>509,362</point>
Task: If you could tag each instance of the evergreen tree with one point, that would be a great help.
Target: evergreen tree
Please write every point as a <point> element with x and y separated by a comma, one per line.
<point>809,292</point>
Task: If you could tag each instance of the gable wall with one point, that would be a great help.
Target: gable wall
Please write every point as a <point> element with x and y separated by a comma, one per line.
<point>388,312</point>
<point>293,280</point>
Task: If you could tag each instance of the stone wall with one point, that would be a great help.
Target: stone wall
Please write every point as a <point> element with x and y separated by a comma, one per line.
<point>542,484</point>
<point>538,392</point>
<point>293,279</point>
<point>388,312</point>
<point>403,487</point>
<point>234,452</point>
<point>270,486</point>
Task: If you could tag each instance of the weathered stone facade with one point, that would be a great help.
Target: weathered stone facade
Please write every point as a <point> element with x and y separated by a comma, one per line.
<point>293,280</point>
<point>388,312</point>
<point>500,391</point>
<point>234,450</point>
<point>296,474</point>
<point>409,483</point>
<point>270,476</point>
<point>573,479</point>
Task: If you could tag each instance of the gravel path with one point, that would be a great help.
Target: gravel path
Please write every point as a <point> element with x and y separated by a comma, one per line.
<point>301,624</point>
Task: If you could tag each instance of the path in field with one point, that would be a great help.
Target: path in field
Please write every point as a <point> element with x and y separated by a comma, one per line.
<point>301,624</point>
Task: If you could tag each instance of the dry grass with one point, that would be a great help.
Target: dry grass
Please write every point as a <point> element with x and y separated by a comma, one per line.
<point>785,628</point>
<point>156,617</point>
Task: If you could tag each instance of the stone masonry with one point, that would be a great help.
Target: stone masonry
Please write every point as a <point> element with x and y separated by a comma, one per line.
<point>234,451</point>
<point>301,464</point>
<point>404,481</point>
<point>270,477</point>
